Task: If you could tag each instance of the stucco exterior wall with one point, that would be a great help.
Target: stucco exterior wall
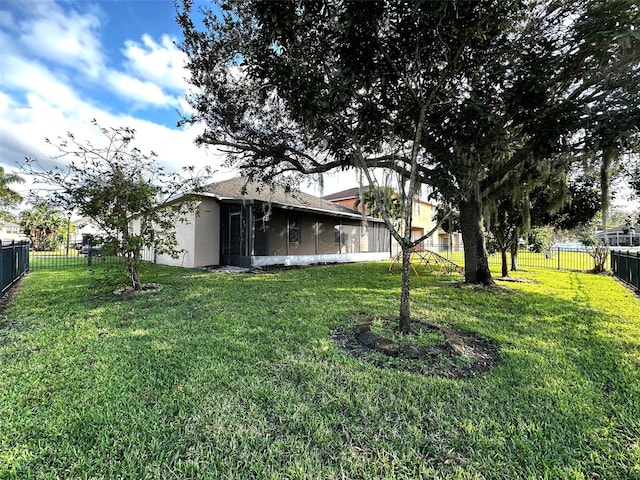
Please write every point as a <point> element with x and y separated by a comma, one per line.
<point>207,234</point>
<point>307,244</point>
<point>185,234</point>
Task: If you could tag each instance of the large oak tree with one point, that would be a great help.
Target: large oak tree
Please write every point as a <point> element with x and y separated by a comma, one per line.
<point>475,99</point>
<point>308,87</point>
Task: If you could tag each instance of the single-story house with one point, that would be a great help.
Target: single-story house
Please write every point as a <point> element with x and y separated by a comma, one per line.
<point>624,235</point>
<point>249,225</point>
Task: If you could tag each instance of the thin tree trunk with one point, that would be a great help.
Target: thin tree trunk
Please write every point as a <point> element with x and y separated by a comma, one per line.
<point>608,157</point>
<point>514,256</point>
<point>514,249</point>
<point>405,312</point>
<point>476,262</point>
<point>505,269</point>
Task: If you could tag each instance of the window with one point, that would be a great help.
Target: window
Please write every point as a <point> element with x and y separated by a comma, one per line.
<point>294,228</point>
<point>336,233</point>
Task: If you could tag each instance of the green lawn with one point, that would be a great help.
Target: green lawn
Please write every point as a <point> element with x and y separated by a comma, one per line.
<point>236,376</point>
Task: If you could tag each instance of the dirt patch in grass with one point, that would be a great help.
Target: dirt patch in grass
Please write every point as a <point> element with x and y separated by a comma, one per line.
<point>453,354</point>
<point>128,292</point>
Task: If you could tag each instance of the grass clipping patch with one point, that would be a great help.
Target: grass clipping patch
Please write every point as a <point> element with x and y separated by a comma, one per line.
<point>429,349</point>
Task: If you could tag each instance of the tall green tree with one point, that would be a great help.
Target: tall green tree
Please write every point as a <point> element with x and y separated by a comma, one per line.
<point>477,99</point>
<point>8,197</point>
<point>532,110</point>
<point>42,224</point>
<point>133,200</point>
<point>302,88</point>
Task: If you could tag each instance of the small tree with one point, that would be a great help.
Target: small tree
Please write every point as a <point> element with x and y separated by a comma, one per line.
<point>42,224</point>
<point>538,239</point>
<point>598,250</point>
<point>118,186</point>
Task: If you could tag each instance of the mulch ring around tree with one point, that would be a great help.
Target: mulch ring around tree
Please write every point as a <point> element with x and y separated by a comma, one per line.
<point>429,350</point>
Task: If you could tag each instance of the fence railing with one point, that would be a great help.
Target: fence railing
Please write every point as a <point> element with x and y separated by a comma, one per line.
<point>14,263</point>
<point>626,267</point>
<point>85,255</point>
<point>556,258</point>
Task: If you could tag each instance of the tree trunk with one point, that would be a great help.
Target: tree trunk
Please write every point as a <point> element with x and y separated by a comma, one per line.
<point>514,250</point>
<point>608,157</point>
<point>405,312</point>
<point>135,272</point>
<point>476,263</point>
<point>505,269</point>
<point>514,257</point>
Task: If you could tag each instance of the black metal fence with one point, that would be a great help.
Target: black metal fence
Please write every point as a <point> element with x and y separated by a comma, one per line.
<point>14,263</point>
<point>69,258</point>
<point>555,257</point>
<point>626,267</point>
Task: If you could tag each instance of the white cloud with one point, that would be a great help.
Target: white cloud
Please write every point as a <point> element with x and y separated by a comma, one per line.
<point>66,37</point>
<point>69,43</point>
<point>32,78</point>
<point>161,63</point>
<point>140,92</point>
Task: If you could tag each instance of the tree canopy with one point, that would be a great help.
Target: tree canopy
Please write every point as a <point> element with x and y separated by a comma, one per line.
<point>42,223</point>
<point>304,88</point>
<point>8,197</point>
<point>480,100</point>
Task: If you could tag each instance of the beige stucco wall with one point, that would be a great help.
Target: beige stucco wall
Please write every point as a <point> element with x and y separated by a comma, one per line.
<point>207,234</point>
<point>185,234</point>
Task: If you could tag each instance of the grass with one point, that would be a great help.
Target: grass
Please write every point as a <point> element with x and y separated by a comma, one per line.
<point>236,376</point>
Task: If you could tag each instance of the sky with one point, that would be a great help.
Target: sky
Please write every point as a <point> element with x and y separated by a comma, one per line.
<point>64,63</point>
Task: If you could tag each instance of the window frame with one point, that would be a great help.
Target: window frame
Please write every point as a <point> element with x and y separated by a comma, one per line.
<point>294,229</point>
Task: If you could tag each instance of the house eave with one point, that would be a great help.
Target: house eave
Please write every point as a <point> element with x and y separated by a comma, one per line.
<point>296,208</point>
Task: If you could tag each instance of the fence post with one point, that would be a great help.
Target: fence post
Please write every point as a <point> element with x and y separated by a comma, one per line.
<point>611,262</point>
<point>558,258</point>
<point>1,268</point>
<point>90,254</point>
<point>14,257</point>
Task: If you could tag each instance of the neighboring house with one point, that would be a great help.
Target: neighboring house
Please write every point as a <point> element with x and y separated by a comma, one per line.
<point>85,228</point>
<point>10,231</point>
<point>423,214</point>
<point>622,236</point>
<point>261,227</point>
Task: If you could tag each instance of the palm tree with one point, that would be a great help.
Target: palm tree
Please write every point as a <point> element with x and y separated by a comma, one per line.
<point>9,197</point>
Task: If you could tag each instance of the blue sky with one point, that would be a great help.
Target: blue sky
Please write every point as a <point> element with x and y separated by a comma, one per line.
<point>63,63</point>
